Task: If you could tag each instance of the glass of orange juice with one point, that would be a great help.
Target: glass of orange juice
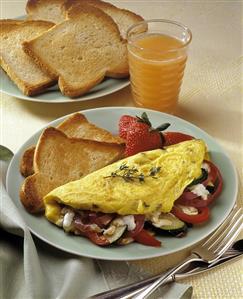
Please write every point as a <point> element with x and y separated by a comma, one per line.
<point>157,55</point>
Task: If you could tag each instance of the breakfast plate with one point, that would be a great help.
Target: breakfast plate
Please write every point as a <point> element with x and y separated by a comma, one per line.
<point>108,119</point>
<point>53,94</point>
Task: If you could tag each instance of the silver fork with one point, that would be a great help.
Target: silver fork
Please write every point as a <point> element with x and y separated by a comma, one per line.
<point>210,251</point>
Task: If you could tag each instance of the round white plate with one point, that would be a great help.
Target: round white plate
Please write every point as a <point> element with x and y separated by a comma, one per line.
<point>53,94</point>
<point>108,119</point>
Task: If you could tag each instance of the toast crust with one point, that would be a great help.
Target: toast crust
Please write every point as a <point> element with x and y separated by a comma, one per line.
<point>77,16</point>
<point>59,159</point>
<point>8,26</point>
<point>26,162</point>
<point>30,195</point>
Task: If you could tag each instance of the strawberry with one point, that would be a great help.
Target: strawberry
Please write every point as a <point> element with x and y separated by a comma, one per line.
<point>142,140</point>
<point>140,136</point>
<point>175,137</point>
<point>125,123</point>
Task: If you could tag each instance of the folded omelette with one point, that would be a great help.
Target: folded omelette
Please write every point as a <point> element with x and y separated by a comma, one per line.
<point>141,184</point>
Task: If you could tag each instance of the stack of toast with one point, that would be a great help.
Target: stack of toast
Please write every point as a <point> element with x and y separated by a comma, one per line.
<point>63,154</point>
<point>76,43</point>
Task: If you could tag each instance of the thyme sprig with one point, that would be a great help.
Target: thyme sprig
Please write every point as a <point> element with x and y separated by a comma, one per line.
<point>130,174</point>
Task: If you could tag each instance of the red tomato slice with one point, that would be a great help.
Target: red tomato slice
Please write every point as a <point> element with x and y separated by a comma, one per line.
<point>202,216</point>
<point>139,220</point>
<point>191,199</point>
<point>145,238</point>
<point>175,137</point>
<point>97,238</point>
<point>213,173</point>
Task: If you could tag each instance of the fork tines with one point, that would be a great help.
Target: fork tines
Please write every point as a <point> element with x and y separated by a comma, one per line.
<point>224,236</point>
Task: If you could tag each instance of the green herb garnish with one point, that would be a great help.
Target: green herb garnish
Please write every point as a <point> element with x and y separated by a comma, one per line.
<point>129,174</point>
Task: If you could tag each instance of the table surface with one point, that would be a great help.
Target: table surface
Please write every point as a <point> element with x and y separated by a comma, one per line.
<point>211,98</point>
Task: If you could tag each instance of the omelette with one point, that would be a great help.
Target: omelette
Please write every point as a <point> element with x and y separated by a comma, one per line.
<point>142,184</point>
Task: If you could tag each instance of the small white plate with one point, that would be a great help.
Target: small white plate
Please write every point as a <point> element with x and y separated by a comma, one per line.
<point>108,119</point>
<point>53,95</point>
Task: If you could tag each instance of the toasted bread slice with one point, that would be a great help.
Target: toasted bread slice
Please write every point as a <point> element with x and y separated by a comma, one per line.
<point>47,10</point>
<point>26,162</point>
<point>81,51</point>
<point>76,126</point>
<point>55,11</point>
<point>59,159</point>
<point>124,18</point>
<point>21,69</point>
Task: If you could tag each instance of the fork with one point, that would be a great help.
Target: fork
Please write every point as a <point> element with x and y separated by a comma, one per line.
<point>210,251</point>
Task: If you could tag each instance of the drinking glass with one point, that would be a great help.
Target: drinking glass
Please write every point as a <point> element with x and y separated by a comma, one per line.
<point>157,55</point>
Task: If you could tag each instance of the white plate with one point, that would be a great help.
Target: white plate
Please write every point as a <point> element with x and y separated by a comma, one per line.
<point>108,119</point>
<point>53,94</point>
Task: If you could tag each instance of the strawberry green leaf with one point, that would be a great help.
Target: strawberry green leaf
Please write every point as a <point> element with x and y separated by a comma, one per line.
<point>144,119</point>
<point>163,127</point>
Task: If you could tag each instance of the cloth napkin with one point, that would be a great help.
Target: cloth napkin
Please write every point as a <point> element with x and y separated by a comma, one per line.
<point>32,269</point>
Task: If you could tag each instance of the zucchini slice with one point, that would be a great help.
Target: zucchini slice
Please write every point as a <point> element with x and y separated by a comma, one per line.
<point>117,234</point>
<point>115,230</point>
<point>176,227</point>
<point>173,222</point>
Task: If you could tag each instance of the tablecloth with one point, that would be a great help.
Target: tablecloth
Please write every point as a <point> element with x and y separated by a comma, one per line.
<point>211,98</point>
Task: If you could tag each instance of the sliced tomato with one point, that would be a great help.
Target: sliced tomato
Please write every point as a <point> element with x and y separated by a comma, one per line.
<point>97,238</point>
<point>139,220</point>
<point>171,138</point>
<point>213,173</point>
<point>189,198</point>
<point>202,216</point>
<point>146,239</point>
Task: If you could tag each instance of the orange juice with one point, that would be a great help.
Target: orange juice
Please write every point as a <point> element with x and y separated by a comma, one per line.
<point>156,63</point>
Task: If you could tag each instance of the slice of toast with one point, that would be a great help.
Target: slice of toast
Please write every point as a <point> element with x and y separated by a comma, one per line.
<point>55,11</point>
<point>76,126</point>
<point>47,10</point>
<point>124,18</point>
<point>21,68</point>
<point>81,51</point>
<point>26,162</point>
<point>59,159</point>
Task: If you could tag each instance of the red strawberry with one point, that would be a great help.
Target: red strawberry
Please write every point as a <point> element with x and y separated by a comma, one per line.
<point>140,136</point>
<point>175,137</point>
<point>125,123</point>
<point>142,140</point>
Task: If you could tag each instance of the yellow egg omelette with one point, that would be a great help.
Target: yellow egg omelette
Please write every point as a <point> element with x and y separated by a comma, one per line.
<point>141,184</point>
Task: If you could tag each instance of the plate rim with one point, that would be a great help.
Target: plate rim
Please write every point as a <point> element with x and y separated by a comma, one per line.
<point>68,100</point>
<point>157,254</point>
